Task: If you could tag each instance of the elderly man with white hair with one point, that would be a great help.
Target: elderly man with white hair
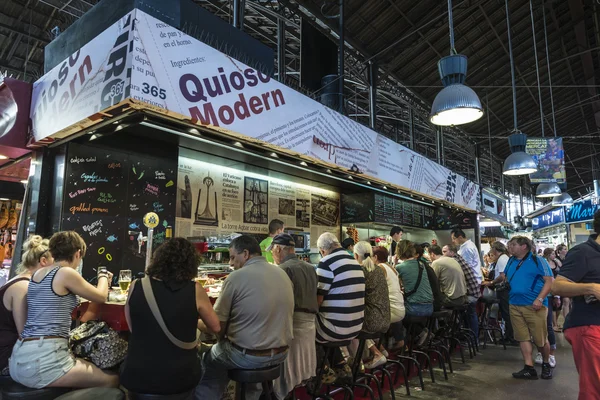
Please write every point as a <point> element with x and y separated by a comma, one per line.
<point>340,292</point>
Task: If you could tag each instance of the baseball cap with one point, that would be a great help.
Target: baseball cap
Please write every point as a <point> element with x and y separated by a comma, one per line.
<point>284,239</point>
<point>347,243</point>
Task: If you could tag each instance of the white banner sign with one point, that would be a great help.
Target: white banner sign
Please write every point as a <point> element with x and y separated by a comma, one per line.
<point>91,80</point>
<point>173,71</point>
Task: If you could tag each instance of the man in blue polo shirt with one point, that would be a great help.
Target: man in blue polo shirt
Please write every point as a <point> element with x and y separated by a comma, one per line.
<point>579,278</point>
<point>530,280</point>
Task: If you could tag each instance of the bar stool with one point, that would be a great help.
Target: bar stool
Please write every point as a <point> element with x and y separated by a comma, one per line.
<point>396,363</point>
<point>357,376</point>
<point>435,345</point>
<point>264,376</point>
<point>329,352</point>
<point>14,391</point>
<point>146,396</point>
<point>486,327</point>
<point>413,346</point>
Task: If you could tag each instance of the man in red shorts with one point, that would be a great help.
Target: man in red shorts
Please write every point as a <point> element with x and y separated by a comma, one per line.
<point>579,278</point>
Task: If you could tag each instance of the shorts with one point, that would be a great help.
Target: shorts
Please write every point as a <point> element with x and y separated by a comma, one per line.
<point>528,323</point>
<point>38,363</point>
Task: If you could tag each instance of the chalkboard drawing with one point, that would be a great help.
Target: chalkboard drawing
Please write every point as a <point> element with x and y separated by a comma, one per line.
<point>206,217</point>
<point>325,210</point>
<point>185,195</point>
<point>303,213</point>
<point>286,207</point>
<point>256,197</point>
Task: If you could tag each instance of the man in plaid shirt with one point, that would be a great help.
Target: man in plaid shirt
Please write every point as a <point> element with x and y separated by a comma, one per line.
<point>473,287</point>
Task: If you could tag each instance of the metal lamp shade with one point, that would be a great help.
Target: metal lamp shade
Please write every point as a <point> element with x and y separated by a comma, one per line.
<point>519,163</point>
<point>545,190</point>
<point>455,104</point>
<point>564,199</point>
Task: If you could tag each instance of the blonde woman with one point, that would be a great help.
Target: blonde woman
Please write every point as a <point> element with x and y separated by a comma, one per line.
<point>377,300</point>
<point>41,356</point>
<point>13,308</point>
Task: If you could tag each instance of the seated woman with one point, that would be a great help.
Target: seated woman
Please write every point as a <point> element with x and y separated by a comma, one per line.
<point>377,301</point>
<point>154,365</point>
<point>41,357</point>
<point>397,311</point>
<point>418,295</point>
<point>13,295</point>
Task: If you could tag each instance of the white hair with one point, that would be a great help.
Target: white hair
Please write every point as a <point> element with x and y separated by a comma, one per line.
<point>328,241</point>
<point>364,251</point>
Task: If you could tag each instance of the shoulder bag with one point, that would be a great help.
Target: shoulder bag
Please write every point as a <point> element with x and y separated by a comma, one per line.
<point>151,300</point>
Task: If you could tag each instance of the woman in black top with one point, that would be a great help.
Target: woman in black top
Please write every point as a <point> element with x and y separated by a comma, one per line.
<point>154,365</point>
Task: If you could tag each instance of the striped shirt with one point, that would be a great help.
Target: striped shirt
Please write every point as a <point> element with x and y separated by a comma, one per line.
<point>473,287</point>
<point>342,283</point>
<point>48,314</point>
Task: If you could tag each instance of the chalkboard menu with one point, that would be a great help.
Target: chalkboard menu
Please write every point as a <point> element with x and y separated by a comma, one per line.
<point>376,207</point>
<point>357,207</point>
<point>107,194</point>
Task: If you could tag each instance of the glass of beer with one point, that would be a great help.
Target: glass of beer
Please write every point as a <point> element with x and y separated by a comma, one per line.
<point>201,277</point>
<point>124,279</point>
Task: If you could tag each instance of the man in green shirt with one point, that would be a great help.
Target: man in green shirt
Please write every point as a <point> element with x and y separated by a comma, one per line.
<point>275,228</point>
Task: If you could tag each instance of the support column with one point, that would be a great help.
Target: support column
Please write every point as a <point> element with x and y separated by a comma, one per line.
<point>438,144</point>
<point>521,197</point>
<point>533,198</point>
<point>411,129</point>
<point>341,52</point>
<point>281,49</point>
<point>372,94</point>
<point>478,172</point>
<point>238,13</point>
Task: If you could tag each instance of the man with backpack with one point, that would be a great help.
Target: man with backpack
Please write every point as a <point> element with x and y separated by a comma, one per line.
<point>529,280</point>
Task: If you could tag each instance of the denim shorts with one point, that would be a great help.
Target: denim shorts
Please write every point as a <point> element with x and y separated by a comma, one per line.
<point>38,363</point>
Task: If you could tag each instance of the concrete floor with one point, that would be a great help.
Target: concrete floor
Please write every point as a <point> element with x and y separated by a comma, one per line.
<point>488,377</point>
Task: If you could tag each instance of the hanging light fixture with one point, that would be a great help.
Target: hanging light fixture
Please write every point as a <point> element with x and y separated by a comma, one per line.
<point>456,103</point>
<point>519,162</point>
<point>546,190</point>
<point>550,189</point>
<point>564,199</point>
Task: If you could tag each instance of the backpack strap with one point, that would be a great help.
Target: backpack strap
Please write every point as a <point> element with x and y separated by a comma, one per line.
<point>414,290</point>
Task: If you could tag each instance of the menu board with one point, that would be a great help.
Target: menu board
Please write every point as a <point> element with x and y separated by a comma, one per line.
<point>107,194</point>
<point>376,207</point>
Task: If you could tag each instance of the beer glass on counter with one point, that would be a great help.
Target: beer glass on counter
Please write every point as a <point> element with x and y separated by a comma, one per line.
<point>202,276</point>
<point>124,279</point>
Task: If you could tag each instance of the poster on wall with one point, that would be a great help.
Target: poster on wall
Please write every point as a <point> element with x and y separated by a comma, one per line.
<point>549,155</point>
<point>212,89</point>
<point>213,200</point>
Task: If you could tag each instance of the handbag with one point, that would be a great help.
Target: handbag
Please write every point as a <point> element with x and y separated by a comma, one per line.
<point>151,300</point>
<point>489,294</point>
<point>97,343</point>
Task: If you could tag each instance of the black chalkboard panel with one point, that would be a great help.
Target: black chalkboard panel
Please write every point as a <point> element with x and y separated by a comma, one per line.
<point>357,207</point>
<point>107,193</point>
<point>450,219</point>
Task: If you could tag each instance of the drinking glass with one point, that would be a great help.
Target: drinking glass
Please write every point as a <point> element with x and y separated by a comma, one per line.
<point>124,279</point>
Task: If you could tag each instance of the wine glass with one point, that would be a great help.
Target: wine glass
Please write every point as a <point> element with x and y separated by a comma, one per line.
<point>124,279</point>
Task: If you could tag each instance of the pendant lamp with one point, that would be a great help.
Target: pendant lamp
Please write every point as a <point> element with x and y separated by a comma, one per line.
<point>546,190</point>
<point>519,162</point>
<point>456,103</point>
<point>564,199</point>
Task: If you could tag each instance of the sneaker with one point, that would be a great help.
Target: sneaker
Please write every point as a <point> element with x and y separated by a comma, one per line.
<point>539,360</point>
<point>376,362</point>
<point>422,337</point>
<point>552,362</point>
<point>546,371</point>
<point>528,373</point>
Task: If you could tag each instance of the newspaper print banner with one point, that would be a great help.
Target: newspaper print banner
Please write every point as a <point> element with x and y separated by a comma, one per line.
<point>171,71</point>
<point>93,79</point>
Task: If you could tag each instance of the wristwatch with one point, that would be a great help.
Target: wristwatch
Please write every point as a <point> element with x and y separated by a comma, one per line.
<point>541,300</point>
